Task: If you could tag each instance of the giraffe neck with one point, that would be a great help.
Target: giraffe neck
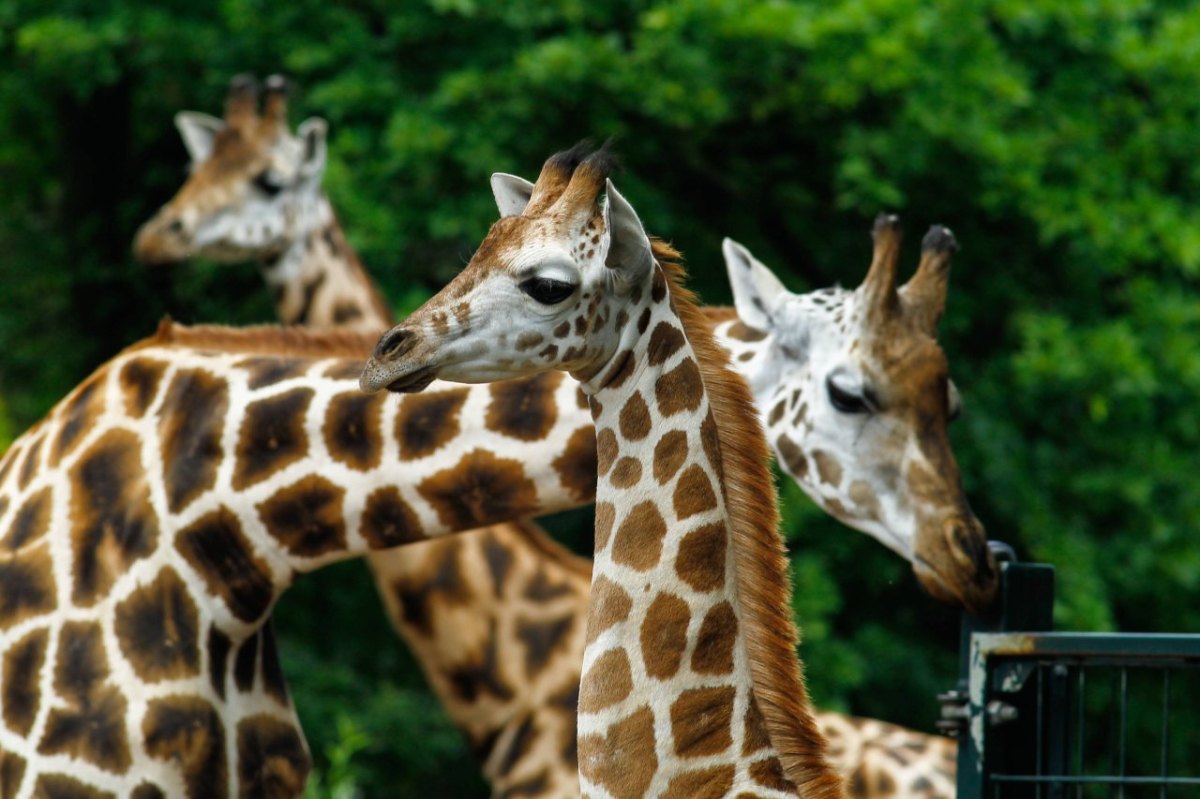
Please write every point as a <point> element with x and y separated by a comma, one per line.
<point>152,520</point>
<point>318,280</point>
<point>673,695</point>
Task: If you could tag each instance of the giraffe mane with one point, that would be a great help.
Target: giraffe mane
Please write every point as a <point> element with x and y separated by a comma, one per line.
<point>760,565</point>
<point>285,341</point>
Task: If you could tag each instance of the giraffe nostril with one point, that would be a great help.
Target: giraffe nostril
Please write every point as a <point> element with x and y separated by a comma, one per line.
<point>176,227</point>
<point>394,343</point>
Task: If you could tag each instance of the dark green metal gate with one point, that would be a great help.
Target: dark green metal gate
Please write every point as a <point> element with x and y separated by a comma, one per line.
<point>1071,715</point>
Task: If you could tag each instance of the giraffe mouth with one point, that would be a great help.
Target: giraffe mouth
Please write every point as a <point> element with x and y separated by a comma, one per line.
<point>948,590</point>
<point>413,382</point>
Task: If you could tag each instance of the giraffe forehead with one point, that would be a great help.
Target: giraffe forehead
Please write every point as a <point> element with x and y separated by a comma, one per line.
<point>909,370</point>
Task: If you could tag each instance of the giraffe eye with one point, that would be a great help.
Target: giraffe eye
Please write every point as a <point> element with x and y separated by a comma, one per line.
<point>546,290</point>
<point>844,401</point>
<point>268,183</point>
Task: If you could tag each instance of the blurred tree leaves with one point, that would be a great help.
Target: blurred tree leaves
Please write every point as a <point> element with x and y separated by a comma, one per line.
<point>1058,138</point>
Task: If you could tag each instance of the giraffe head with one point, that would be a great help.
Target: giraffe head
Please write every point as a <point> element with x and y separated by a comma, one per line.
<point>251,181</point>
<point>539,292</point>
<point>856,396</point>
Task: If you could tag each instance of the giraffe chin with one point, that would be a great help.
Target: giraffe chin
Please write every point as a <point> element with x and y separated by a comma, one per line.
<point>946,591</point>
<point>413,382</point>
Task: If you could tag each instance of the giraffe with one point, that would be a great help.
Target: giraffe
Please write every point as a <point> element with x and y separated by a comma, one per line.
<point>254,192</point>
<point>690,683</point>
<point>398,571</point>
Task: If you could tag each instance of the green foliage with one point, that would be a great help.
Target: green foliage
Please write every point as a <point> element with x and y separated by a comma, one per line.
<point>1058,139</point>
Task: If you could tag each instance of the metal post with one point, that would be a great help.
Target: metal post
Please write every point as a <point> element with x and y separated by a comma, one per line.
<point>1025,604</point>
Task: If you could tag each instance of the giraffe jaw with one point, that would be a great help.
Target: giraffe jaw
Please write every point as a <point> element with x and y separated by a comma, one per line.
<point>377,376</point>
<point>976,599</point>
<point>413,382</point>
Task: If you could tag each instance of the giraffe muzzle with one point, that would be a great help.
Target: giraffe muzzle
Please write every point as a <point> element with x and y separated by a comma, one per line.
<point>957,567</point>
<point>386,368</point>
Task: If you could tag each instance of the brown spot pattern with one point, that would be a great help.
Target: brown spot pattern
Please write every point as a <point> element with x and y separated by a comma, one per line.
<point>578,465</point>
<point>606,516</point>
<point>606,683</point>
<point>669,454</point>
<point>91,725</point>
<point>743,332</point>
<point>425,422</point>
<point>186,731</point>
<point>78,416</point>
<point>272,436</point>
<point>29,523</point>
<point>828,469</point>
<point>693,493</point>
<point>191,422</point>
<point>271,759</point>
<point>665,341</point>
<point>700,721</point>
<point>792,457</point>
<point>754,735</point>
<point>479,490</point>
<point>639,538</point>
<point>139,382</point>
<point>215,547</point>
<point>700,561</point>
<point>157,629</point>
<point>623,759</point>
<point>622,368</point>
<point>388,520</point>
<point>769,774</point>
<point>708,783</point>
<point>60,786</point>
<point>606,450</point>
<point>352,431</point>
<point>306,517</point>
<point>626,473</point>
<point>20,681</point>
<point>635,418</point>
<point>112,521</point>
<point>609,605</point>
<point>715,643</point>
<point>664,635</point>
<point>524,409</point>
<point>680,389</point>
<point>26,585</point>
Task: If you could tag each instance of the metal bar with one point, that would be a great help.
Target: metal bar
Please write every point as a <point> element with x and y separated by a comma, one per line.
<point>1079,728</point>
<point>1040,724</point>
<point>1140,646</point>
<point>1166,730</point>
<point>1124,720</point>
<point>1095,779</point>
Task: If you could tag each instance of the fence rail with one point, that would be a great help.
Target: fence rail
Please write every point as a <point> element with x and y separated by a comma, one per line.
<point>1072,715</point>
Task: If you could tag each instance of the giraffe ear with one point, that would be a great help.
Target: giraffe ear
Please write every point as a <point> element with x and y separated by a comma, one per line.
<point>628,245</point>
<point>512,193</point>
<point>312,133</point>
<point>198,132</point>
<point>756,291</point>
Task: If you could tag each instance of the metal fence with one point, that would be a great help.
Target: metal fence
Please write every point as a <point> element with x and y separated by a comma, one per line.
<point>1072,715</point>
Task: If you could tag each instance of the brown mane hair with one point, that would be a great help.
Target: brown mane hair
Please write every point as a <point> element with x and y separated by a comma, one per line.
<point>764,590</point>
<point>284,341</point>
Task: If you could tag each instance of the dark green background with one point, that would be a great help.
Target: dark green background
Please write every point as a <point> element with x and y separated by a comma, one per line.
<point>1058,139</point>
